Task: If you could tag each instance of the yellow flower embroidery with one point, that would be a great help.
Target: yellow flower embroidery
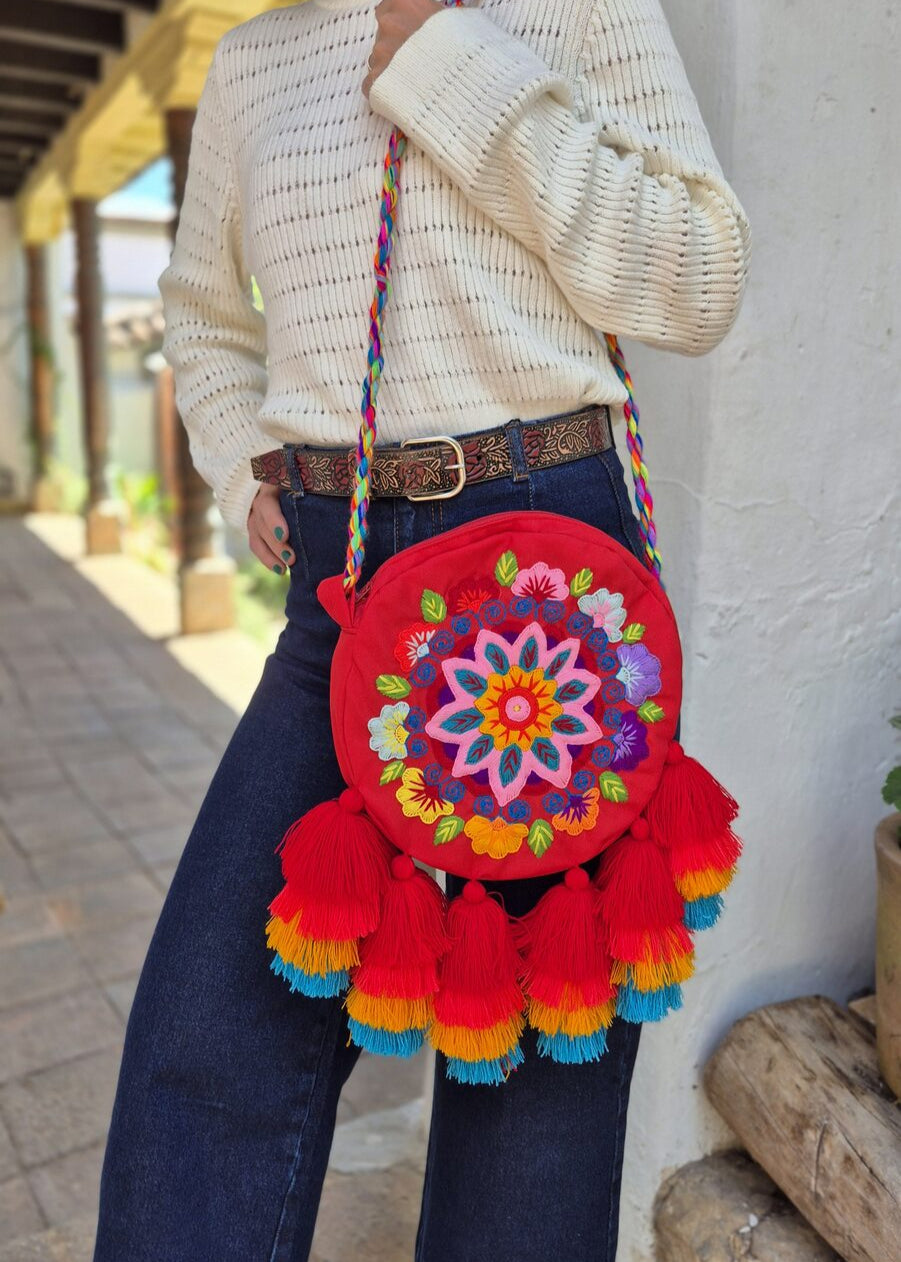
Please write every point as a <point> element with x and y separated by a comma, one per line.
<point>420,800</point>
<point>518,707</point>
<point>494,837</point>
<point>580,813</point>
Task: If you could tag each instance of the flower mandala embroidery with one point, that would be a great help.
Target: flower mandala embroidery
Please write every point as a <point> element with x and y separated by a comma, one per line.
<point>580,812</point>
<point>413,643</point>
<point>495,837</point>
<point>388,733</point>
<point>606,611</point>
<point>639,672</point>
<point>541,583</point>
<point>517,708</point>
<point>420,800</point>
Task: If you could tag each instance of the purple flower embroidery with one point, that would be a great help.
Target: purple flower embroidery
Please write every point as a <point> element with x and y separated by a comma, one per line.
<point>630,743</point>
<point>639,671</point>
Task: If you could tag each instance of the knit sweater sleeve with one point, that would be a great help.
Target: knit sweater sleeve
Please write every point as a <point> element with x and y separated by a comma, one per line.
<point>215,338</point>
<point>610,176</point>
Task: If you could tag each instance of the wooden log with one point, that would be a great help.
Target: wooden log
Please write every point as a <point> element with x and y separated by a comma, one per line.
<point>725,1207</point>
<point>799,1084</point>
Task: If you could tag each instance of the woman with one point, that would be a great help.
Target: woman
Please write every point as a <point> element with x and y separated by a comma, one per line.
<point>558,182</point>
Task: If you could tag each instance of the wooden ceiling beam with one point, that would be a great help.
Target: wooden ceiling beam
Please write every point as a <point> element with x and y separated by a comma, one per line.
<point>55,99</point>
<point>49,65</point>
<point>117,6</point>
<point>27,123</point>
<point>69,26</point>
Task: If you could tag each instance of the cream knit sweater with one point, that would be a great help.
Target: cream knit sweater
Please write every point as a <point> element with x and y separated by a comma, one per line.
<point>559,182</point>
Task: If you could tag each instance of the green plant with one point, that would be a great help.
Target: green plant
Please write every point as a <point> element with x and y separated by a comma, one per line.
<point>891,790</point>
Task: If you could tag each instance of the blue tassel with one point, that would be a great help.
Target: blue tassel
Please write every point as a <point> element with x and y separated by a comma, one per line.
<point>313,985</point>
<point>385,1042</point>
<point>484,1073</point>
<point>647,1005</point>
<point>568,1049</point>
<point>701,913</point>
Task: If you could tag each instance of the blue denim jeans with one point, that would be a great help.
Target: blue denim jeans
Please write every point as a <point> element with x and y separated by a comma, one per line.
<point>229,1083</point>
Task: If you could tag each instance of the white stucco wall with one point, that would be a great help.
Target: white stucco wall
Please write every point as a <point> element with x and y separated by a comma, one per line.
<point>775,462</point>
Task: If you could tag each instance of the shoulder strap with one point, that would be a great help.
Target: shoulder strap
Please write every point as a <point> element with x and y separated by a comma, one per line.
<point>359,500</point>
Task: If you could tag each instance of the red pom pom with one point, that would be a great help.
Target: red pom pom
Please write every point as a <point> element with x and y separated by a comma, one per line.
<point>562,940</point>
<point>335,865</point>
<point>641,907</point>
<point>399,959</point>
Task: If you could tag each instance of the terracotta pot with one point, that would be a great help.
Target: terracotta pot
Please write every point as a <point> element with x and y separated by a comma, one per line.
<point>888,951</point>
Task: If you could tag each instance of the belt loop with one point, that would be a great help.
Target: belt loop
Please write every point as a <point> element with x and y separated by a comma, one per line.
<point>297,490</point>
<point>513,431</point>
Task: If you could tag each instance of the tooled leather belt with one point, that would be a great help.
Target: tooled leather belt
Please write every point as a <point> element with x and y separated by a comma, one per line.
<point>439,466</point>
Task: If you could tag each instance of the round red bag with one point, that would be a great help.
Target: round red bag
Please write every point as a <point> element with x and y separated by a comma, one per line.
<point>503,696</point>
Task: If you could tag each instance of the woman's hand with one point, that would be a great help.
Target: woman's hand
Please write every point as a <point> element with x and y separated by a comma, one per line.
<point>267,530</point>
<point>396,20</point>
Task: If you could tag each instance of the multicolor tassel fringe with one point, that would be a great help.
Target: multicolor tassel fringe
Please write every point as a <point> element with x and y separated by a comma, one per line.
<point>391,1001</point>
<point>566,971</point>
<point>356,916</point>
<point>643,912</point>
<point>691,815</point>
<point>479,1004</point>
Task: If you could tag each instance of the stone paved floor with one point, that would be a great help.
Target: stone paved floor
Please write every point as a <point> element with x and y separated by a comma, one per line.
<point>108,739</point>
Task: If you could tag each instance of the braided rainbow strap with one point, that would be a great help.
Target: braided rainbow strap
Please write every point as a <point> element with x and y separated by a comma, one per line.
<point>359,500</point>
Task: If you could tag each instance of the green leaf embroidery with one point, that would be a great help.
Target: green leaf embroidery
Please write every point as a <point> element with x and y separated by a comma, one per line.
<point>392,771</point>
<point>650,712</point>
<point>393,686</point>
<point>581,582</point>
<point>506,569</point>
<point>633,632</point>
<point>433,607</point>
<point>540,837</point>
<point>612,787</point>
<point>447,829</point>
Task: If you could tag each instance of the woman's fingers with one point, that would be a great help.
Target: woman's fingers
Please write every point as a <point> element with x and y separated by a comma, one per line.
<point>268,531</point>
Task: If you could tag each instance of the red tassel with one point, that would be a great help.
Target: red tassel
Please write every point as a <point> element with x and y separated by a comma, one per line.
<point>641,906</point>
<point>335,865</point>
<point>400,959</point>
<point>563,944</point>
<point>479,1005</point>
<point>689,807</point>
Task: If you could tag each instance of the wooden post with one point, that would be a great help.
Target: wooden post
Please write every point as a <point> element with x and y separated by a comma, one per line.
<point>206,582</point>
<point>103,524</point>
<point>41,376</point>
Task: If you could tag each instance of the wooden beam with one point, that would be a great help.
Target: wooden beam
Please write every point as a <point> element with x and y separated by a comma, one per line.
<point>118,6</point>
<point>53,24</point>
<point>193,496</point>
<point>54,99</point>
<point>25,146</point>
<point>27,123</point>
<point>92,347</point>
<point>799,1084</point>
<point>49,65</point>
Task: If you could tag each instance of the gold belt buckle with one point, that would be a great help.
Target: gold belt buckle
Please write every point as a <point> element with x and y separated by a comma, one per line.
<point>460,465</point>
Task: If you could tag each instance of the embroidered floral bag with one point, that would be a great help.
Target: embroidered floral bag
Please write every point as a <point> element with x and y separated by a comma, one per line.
<point>504,699</point>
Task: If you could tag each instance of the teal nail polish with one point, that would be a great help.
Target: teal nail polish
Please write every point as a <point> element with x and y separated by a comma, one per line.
<point>286,556</point>
<point>279,569</point>
<point>279,533</point>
